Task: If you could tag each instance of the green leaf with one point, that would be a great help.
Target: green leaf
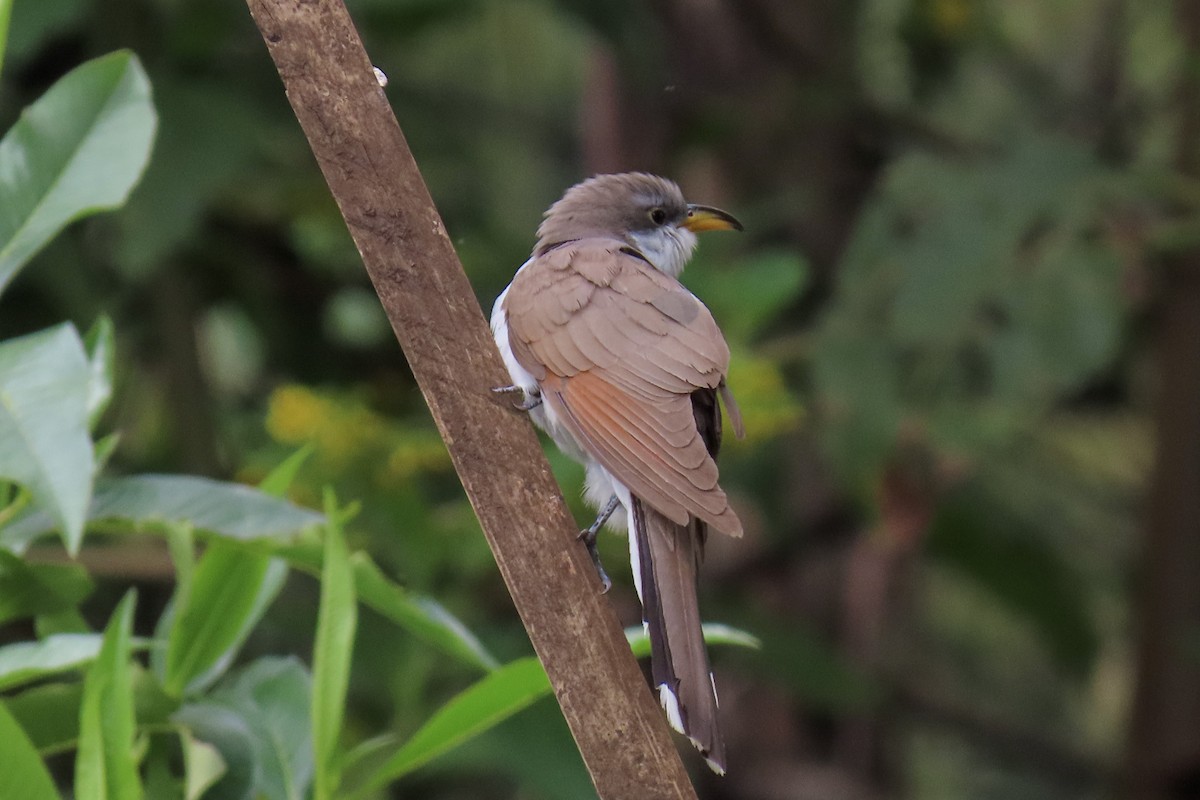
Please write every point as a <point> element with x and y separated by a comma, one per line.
<point>493,699</point>
<point>105,765</point>
<point>182,547</point>
<point>159,767</point>
<point>202,764</point>
<point>230,734</point>
<point>715,633</point>
<point>66,621</point>
<point>336,622</point>
<point>101,354</point>
<point>79,149</point>
<point>5,14</point>
<point>24,775</point>
<point>44,443</point>
<point>229,592</point>
<point>137,502</point>
<point>277,482</point>
<point>49,714</point>
<point>28,590</point>
<point>24,662</point>
<point>421,616</point>
<point>271,698</point>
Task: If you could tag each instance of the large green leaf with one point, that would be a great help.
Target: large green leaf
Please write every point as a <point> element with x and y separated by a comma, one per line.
<point>28,590</point>
<point>44,443</point>
<point>79,149</point>
<point>230,590</point>
<point>336,623</point>
<point>230,510</point>
<point>270,700</point>
<point>24,775</point>
<point>105,765</point>
<point>491,700</point>
<point>49,714</point>
<point>23,662</point>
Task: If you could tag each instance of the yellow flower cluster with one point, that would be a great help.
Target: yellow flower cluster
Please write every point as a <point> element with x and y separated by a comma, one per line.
<point>295,413</point>
<point>345,433</point>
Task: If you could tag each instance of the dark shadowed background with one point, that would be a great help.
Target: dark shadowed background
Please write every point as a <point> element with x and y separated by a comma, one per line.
<point>959,319</point>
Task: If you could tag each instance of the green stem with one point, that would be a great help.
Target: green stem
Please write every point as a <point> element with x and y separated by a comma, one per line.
<point>22,498</point>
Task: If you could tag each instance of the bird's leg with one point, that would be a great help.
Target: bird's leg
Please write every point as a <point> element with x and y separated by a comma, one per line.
<point>529,400</point>
<point>588,537</point>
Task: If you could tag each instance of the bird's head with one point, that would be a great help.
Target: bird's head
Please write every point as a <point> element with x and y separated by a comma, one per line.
<point>646,212</point>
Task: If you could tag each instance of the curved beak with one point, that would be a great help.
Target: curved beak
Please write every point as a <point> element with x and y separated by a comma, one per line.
<point>707,218</point>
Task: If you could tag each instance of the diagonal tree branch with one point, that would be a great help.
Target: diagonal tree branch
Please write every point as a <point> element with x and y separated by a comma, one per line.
<point>359,146</point>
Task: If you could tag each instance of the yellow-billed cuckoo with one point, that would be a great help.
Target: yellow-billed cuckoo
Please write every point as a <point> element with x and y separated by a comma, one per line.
<point>622,366</point>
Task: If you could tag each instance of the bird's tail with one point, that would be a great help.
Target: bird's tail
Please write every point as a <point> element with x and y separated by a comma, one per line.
<point>667,557</point>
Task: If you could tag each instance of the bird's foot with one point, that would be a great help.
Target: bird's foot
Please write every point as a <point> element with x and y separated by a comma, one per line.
<point>528,400</point>
<point>589,535</point>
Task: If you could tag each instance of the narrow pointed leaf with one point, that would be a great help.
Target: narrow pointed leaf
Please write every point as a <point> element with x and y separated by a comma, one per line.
<point>5,15</point>
<point>230,590</point>
<point>715,633</point>
<point>105,766</point>
<point>420,615</point>
<point>489,702</point>
<point>44,442</point>
<point>24,775</point>
<point>277,482</point>
<point>79,149</point>
<point>101,355</point>
<point>336,622</point>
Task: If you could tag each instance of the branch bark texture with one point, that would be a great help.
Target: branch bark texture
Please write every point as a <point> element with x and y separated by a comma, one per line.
<point>362,152</point>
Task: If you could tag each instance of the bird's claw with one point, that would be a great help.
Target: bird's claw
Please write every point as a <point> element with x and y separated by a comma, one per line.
<point>529,400</point>
<point>588,537</point>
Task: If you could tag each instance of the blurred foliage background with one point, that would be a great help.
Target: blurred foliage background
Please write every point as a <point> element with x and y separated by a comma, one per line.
<point>967,224</point>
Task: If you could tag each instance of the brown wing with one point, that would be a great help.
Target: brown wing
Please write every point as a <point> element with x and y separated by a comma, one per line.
<point>618,348</point>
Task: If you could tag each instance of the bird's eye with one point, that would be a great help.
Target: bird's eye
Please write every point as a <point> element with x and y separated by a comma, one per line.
<point>658,216</point>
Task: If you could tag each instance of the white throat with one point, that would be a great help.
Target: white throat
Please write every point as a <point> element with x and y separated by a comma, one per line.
<point>668,248</point>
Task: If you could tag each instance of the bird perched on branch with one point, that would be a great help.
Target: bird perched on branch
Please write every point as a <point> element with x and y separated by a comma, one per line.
<point>623,367</point>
